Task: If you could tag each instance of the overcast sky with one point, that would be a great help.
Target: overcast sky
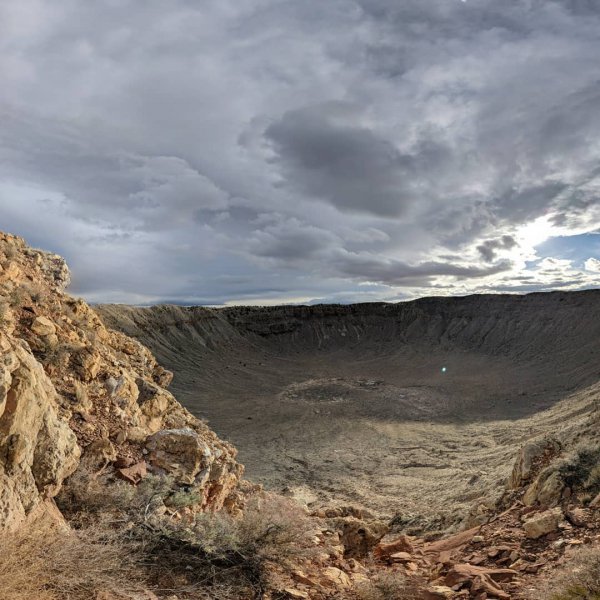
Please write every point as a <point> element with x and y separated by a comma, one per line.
<point>259,151</point>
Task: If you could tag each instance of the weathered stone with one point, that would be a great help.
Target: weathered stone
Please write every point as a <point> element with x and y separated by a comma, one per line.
<point>295,593</point>
<point>333,577</point>
<point>541,524</point>
<point>87,363</point>
<point>43,326</point>
<point>526,458</point>
<point>37,449</point>
<point>595,503</point>
<point>180,453</point>
<point>438,592</point>
<point>358,537</point>
<point>401,544</point>
<point>546,490</point>
<point>480,579</point>
<point>135,473</point>
<point>154,402</point>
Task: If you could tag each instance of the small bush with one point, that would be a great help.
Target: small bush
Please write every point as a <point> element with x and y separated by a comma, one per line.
<point>4,316</point>
<point>16,297</point>
<point>582,470</point>
<point>182,499</point>
<point>87,494</point>
<point>219,550</point>
<point>226,556</point>
<point>389,586</point>
<point>10,251</point>
<point>34,291</point>
<point>582,579</point>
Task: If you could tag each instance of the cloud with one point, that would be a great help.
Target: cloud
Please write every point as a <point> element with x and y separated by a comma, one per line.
<point>593,265</point>
<point>265,150</point>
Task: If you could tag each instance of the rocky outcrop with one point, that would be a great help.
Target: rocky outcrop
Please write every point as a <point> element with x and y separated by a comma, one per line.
<point>75,395</point>
<point>38,450</point>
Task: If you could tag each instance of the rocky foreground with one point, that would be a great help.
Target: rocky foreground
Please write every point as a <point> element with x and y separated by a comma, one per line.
<point>91,439</point>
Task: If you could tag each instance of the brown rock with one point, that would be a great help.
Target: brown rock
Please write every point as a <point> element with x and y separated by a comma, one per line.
<point>180,453</point>
<point>595,503</point>
<point>295,593</point>
<point>358,537</point>
<point>401,544</point>
<point>531,452</point>
<point>135,473</point>
<point>38,450</point>
<point>303,578</point>
<point>401,557</point>
<point>438,592</point>
<point>481,579</point>
<point>451,543</point>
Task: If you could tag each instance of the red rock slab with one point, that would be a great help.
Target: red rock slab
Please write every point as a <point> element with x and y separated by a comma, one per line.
<point>402,544</point>
<point>451,543</point>
<point>135,473</point>
<point>482,579</point>
<point>401,557</point>
<point>498,575</point>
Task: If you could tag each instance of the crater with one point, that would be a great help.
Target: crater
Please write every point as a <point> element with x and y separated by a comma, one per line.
<point>412,410</point>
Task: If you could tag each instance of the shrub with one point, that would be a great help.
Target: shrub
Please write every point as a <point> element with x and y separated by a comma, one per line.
<point>16,297</point>
<point>226,556</point>
<point>4,308</point>
<point>219,550</point>
<point>582,579</point>
<point>389,586</point>
<point>581,470</point>
<point>47,563</point>
<point>34,291</point>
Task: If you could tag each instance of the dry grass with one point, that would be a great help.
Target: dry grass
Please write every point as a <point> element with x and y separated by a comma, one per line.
<point>580,580</point>
<point>45,563</point>
<point>389,586</point>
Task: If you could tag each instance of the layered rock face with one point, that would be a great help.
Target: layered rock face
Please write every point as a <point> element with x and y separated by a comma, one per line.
<point>75,395</point>
<point>38,450</point>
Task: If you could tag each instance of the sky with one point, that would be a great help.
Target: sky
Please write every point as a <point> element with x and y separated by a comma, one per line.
<point>302,151</point>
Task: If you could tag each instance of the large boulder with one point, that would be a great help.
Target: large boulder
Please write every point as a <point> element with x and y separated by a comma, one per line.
<point>543,523</point>
<point>527,458</point>
<point>180,453</point>
<point>38,450</point>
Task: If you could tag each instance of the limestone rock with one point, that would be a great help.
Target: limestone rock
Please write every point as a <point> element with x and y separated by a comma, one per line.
<point>528,454</point>
<point>37,448</point>
<point>86,363</point>
<point>438,592</point>
<point>333,577</point>
<point>180,453</point>
<point>541,524</point>
<point>546,490</point>
<point>154,402</point>
<point>43,326</point>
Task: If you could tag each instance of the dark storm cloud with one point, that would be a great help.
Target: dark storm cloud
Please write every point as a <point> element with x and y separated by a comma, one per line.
<point>274,149</point>
<point>328,155</point>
